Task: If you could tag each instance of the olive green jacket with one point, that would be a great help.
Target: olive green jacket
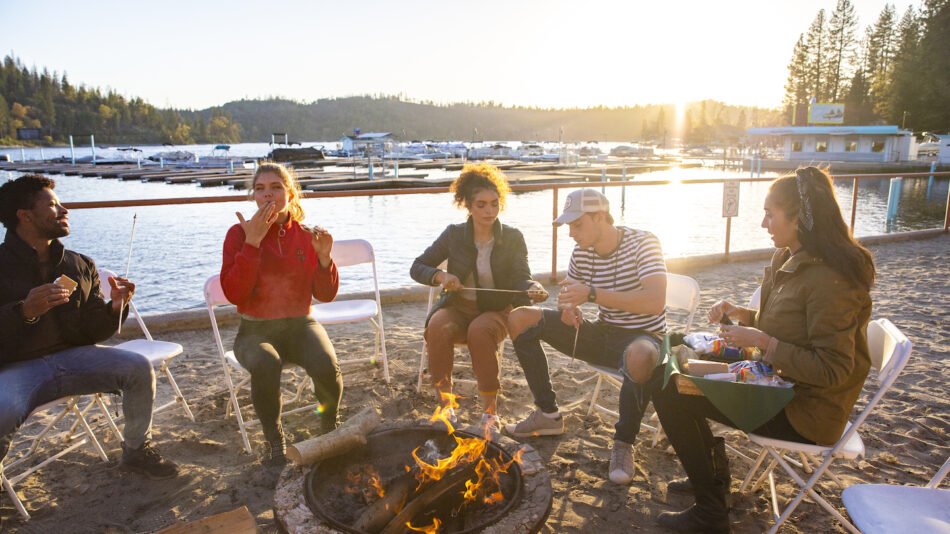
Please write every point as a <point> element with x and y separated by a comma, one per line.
<point>820,320</point>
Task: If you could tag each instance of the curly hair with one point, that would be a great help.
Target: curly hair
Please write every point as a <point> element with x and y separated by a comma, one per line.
<point>828,237</point>
<point>20,194</point>
<point>474,178</point>
<point>289,180</point>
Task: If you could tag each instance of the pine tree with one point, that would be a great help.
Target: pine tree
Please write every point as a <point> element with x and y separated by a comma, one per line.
<point>797,87</point>
<point>935,54</point>
<point>900,90</point>
<point>816,45</point>
<point>841,29</point>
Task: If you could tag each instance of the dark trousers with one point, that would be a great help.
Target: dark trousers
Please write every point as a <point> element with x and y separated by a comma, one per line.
<point>263,347</point>
<point>597,343</point>
<point>684,420</point>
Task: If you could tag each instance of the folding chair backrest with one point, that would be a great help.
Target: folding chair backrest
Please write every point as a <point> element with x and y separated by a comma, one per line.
<point>889,350</point>
<point>352,252</point>
<point>214,296</point>
<point>682,292</point>
<point>104,275</point>
<point>754,300</point>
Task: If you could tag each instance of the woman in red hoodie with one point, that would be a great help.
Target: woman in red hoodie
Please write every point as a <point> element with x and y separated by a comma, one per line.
<point>273,266</point>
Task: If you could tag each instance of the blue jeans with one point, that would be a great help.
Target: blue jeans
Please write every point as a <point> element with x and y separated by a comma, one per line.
<point>78,371</point>
<point>598,343</point>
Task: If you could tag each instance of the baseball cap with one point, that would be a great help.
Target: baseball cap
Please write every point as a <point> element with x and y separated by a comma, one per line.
<point>580,202</point>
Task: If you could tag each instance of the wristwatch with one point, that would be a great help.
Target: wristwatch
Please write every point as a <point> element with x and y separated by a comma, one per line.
<point>592,296</point>
<point>18,307</point>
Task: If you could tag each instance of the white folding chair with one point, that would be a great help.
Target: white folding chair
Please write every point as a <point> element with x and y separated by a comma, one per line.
<point>885,508</point>
<point>71,407</point>
<point>347,253</point>
<point>214,296</point>
<point>682,293</point>
<point>158,353</point>
<point>889,351</point>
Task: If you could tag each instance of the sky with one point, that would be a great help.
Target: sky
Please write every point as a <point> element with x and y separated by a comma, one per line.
<point>549,53</point>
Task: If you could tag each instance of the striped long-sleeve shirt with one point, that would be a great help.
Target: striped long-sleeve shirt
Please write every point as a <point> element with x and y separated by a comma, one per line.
<point>636,257</point>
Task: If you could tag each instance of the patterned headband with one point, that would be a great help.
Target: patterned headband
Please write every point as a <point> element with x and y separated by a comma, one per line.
<point>804,215</point>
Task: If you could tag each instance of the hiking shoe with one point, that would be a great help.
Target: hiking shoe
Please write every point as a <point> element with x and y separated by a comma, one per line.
<point>146,461</point>
<point>328,423</point>
<point>537,424</point>
<point>274,454</point>
<point>621,463</point>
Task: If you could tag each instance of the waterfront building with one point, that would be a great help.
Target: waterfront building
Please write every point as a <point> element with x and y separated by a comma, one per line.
<point>840,143</point>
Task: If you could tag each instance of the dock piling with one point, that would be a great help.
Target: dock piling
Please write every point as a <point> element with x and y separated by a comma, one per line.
<point>72,151</point>
<point>603,178</point>
<point>893,199</point>
<point>92,145</point>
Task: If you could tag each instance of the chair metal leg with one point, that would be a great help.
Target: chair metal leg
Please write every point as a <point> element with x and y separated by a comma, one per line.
<point>178,396</point>
<point>90,435</point>
<point>595,394</point>
<point>423,357</point>
<point>755,468</point>
<point>13,496</point>
<point>111,422</point>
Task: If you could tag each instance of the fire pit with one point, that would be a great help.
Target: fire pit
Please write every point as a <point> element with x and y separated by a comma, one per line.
<point>381,486</point>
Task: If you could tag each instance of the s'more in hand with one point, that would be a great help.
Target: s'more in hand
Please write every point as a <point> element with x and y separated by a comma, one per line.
<point>66,283</point>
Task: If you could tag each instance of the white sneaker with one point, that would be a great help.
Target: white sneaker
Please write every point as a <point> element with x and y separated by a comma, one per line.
<point>537,424</point>
<point>491,422</point>
<point>621,463</point>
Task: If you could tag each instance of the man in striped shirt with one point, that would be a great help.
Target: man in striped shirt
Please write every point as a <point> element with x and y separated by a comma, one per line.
<point>622,271</point>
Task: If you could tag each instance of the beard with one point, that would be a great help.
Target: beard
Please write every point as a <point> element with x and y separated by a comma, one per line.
<point>54,230</point>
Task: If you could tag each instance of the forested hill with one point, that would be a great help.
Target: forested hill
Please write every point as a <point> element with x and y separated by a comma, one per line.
<point>328,119</point>
<point>59,108</point>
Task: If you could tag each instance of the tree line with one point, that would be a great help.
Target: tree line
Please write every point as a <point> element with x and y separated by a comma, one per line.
<point>896,72</point>
<point>49,102</point>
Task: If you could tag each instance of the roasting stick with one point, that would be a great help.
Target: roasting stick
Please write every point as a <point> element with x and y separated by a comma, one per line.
<point>128,262</point>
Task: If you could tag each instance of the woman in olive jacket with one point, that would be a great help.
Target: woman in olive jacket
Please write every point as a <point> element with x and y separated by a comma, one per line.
<point>481,253</point>
<point>811,328</point>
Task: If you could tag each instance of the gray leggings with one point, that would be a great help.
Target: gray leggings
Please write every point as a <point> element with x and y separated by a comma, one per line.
<point>264,346</point>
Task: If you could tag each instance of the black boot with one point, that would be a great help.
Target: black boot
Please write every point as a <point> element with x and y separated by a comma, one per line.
<point>275,447</point>
<point>328,422</point>
<point>709,514</point>
<point>720,464</point>
<point>146,461</point>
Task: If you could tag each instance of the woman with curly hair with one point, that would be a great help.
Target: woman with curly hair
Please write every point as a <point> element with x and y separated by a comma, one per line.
<point>273,266</point>
<point>482,253</point>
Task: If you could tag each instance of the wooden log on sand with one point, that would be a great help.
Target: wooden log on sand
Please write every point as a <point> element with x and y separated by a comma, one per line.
<point>351,433</point>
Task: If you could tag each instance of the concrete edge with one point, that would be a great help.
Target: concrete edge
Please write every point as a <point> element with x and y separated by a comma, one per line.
<point>197,318</point>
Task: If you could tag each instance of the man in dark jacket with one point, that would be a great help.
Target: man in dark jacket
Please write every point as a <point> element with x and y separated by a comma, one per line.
<point>52,314</point>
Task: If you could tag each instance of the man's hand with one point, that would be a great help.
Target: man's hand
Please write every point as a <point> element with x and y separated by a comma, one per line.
<point>723,309</point>
<point>572,294</point>
<point>256,228</point>
<point>572,317</point>
<point>44,298</point>
<point>121,293</point>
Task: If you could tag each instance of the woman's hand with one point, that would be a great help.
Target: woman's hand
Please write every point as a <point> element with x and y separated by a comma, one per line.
<point>744,336</point>
<point>256,228</point>
<point>448,281</point>
<point>724,309</point>
<point>537,293</point>
<point>322,243</point>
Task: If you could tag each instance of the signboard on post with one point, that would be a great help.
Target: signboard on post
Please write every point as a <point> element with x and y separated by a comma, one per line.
<point>730,199</point>
<point>826,114</point>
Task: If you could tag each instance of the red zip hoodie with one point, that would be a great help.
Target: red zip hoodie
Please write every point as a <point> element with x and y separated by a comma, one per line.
<point>277,279</point>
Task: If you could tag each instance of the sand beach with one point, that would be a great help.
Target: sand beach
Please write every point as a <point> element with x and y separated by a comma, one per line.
<point>907,437</point>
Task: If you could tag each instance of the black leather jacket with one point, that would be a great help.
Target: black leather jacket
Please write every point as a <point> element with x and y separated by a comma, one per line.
<point>85,320</point>
<point>509,265</point>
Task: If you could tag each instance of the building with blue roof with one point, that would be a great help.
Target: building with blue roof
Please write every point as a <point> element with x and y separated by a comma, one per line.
<point>841,143</point>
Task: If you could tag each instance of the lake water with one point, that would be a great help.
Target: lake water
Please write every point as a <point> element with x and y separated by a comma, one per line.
<point>177,247</point>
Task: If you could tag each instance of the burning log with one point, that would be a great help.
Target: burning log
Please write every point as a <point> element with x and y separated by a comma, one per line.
<point>454,481</point>
<point>352,433</point>
<point>380,513</point>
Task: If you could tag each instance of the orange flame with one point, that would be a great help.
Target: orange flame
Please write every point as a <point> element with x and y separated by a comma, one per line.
<point>429,529</point>
<point>445,410</point>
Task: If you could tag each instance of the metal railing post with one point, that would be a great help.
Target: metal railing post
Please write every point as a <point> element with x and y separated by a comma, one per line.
<point>554,237</point>
<point>854,203</point>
